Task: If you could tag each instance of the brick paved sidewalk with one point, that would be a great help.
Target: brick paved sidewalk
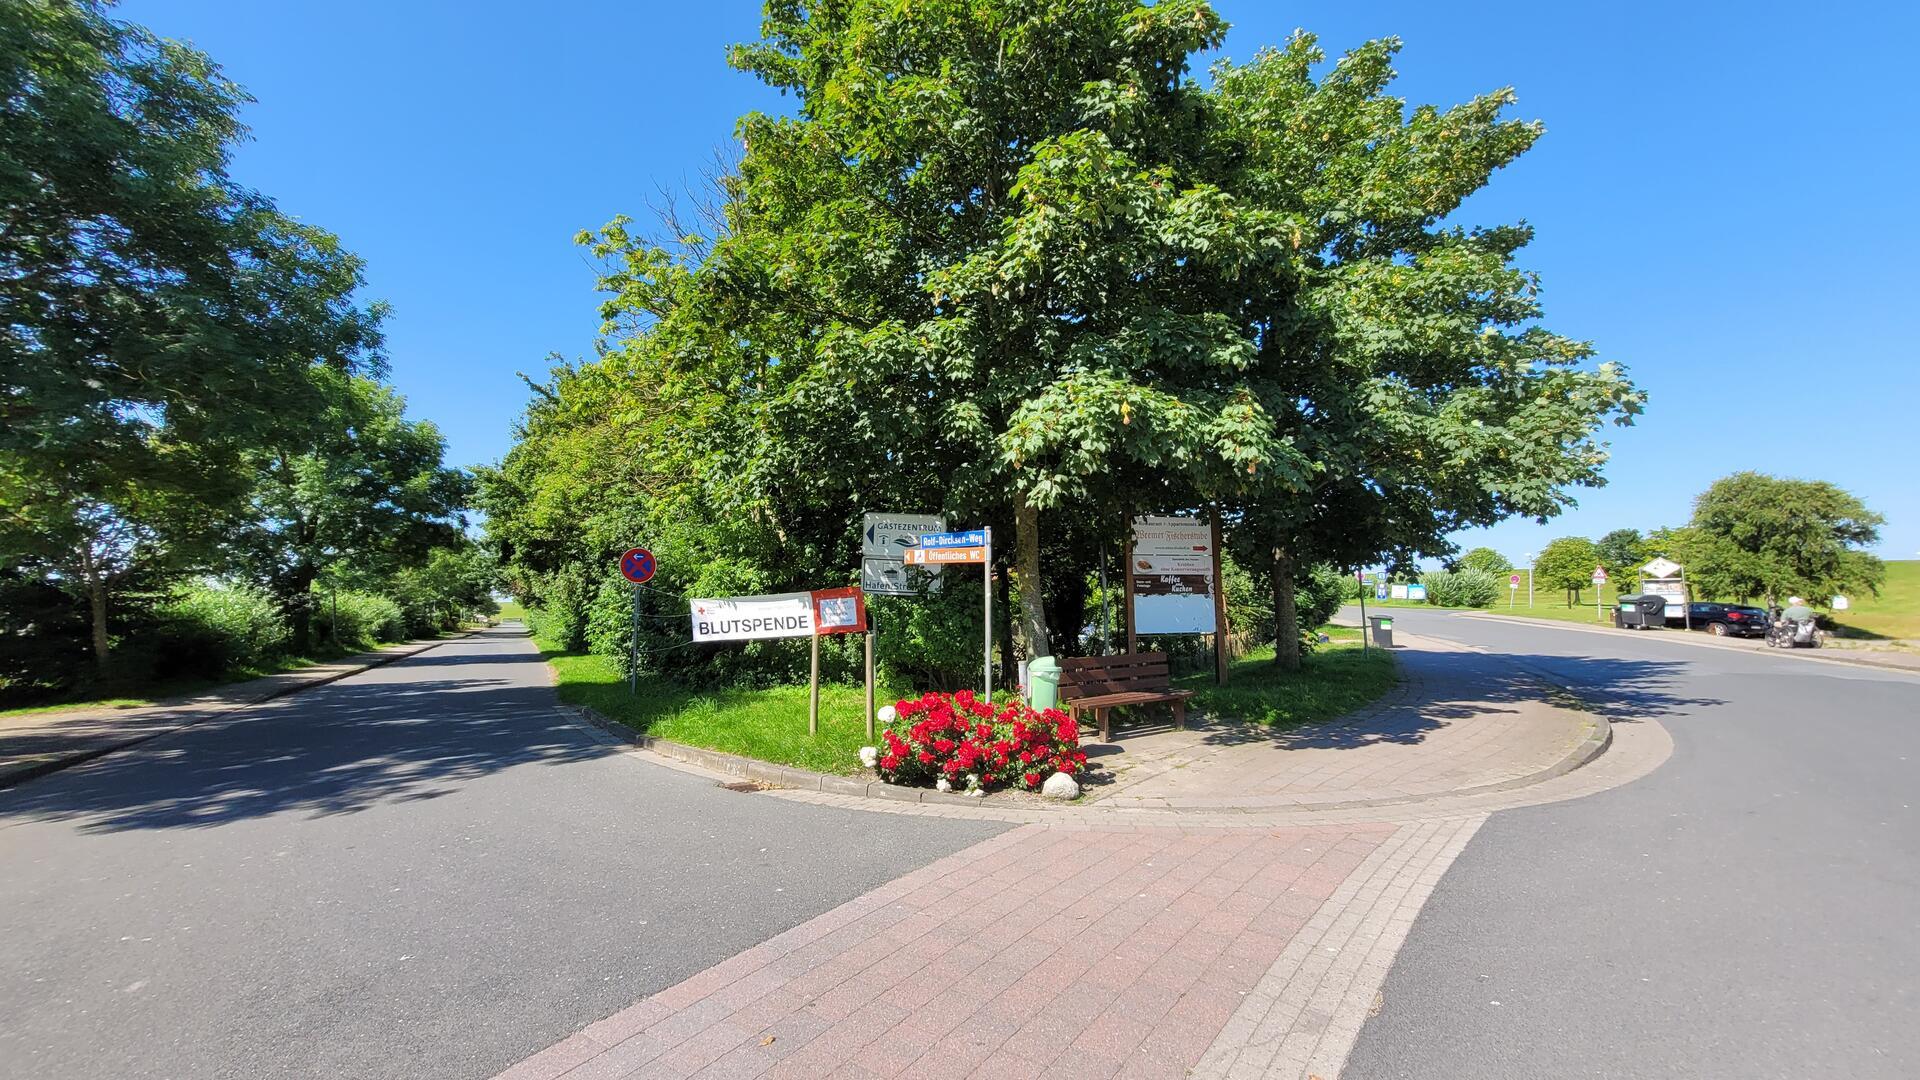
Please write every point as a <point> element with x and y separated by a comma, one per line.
<point>1105,940</point>
<point>37,743</point>
<point>1056,951</point>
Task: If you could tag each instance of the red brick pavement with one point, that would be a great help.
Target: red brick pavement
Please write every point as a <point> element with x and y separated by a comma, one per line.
<point>1063,951</point>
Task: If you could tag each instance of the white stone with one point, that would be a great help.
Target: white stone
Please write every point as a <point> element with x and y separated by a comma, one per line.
<point>1060,786</point>
<point>943,784</point>
<point>869,755</point>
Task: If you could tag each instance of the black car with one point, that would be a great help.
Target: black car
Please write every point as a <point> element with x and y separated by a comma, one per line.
<point>1721,620</point>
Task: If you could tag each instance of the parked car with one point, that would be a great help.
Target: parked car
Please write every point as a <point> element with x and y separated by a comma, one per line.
<point>1722,620</point>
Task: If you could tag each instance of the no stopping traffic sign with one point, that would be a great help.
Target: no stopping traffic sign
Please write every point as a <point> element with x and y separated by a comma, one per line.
<point>637,565</point>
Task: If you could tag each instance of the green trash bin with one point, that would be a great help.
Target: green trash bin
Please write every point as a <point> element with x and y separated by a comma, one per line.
<point>1043,682</point>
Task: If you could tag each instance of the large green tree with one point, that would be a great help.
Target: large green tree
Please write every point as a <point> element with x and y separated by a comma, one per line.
<point>363,491</point>
<point>156,318</point>
<point>1755,536</point>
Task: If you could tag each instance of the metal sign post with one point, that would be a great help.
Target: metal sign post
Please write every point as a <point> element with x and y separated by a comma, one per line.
<point>869,644</point>
<point>636,565</point>
<point>986,590</point>
<point>967,546</point>
<point>1362,575</point>
<point>1599,590</point>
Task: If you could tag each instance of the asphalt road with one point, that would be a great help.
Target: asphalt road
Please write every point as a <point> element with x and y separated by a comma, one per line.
<point>1749,910</point>
<point>421,871</point>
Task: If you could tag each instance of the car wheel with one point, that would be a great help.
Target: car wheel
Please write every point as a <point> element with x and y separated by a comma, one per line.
<point>1718,629</point>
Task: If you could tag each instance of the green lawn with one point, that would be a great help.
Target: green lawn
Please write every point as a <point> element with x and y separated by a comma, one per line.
<point>771,725</point>
<point>1335,679</point>
<point>1895,613</point>
<point>511,609</point>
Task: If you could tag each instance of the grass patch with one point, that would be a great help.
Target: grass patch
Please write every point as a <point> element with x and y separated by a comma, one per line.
<point>1333,680</point>
<point>770,725</point>
<point>1895,613</point>
<point>512,609</point>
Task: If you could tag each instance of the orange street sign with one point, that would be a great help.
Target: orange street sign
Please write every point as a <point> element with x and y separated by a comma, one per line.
<point>920,556</point>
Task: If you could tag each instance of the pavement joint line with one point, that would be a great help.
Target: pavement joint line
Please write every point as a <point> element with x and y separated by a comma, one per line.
<point>12,776</point>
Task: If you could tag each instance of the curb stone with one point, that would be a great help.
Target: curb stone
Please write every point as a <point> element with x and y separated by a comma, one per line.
<point>15,775</point>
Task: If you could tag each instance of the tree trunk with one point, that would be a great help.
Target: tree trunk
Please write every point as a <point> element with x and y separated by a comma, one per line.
<point>1286,621</point>
<point>298,598</point>
<point>1003,616</point>
<point>97,601</point>
<point>1026,578</point>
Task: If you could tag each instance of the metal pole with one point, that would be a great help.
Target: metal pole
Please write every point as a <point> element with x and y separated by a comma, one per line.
<point>986,590</point>
<point>813,689</point>
<point>1219,607</point>
<point>870,632</point>
<point>1106,622</point>
<point>1126,598</point>
<point>633,648</point>
<point>1363,614</point>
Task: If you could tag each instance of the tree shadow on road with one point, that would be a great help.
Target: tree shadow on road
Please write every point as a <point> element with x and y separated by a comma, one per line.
<point>338,749</point>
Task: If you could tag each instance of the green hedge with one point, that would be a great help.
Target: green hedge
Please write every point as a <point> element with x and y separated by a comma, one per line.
<point>365,619</point>
<point>210,630</point>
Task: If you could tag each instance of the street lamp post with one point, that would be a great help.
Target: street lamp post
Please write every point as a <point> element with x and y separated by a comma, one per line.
<point>1529,581</point>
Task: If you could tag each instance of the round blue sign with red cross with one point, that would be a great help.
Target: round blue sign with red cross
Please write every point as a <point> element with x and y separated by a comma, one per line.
<point>637,565</point>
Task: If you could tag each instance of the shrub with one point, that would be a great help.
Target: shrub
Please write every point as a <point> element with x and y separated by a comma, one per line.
<point>210,630</point>
<point>965,741</point>
<point>364,619</point>
<point>1460,588</point>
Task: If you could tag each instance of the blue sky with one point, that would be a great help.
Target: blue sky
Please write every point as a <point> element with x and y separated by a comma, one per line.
<point>1724,197</point>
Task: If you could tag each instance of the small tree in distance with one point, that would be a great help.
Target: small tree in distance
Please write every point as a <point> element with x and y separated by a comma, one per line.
<point>1484,559</point>
<point>1567,564</point>
<point>1623,551</point>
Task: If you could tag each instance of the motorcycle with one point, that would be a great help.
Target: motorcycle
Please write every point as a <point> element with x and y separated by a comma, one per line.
<point>1785,633</point>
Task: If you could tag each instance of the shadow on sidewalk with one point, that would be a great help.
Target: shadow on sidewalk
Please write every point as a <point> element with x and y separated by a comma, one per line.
<point>1456,687</point>
<point>333,750</point>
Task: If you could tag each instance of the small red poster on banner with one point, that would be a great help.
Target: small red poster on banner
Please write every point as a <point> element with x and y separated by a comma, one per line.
<point>839,611</point>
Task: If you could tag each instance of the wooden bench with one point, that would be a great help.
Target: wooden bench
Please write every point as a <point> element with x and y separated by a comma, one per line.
<point>1101,683</point>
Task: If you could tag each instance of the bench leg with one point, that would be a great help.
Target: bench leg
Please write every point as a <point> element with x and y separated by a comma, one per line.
<point>1180,715</point>
<point>1100,715</point>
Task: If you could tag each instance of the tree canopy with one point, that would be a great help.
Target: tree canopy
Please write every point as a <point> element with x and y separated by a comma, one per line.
<point>1567,564</point>
<point>1011,262</point>
<point>171,343</point>
<point>1755,536</point>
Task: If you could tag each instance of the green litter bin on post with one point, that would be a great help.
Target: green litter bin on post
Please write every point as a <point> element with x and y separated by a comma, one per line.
<point>1382,630</point>
<point>1043,682</point>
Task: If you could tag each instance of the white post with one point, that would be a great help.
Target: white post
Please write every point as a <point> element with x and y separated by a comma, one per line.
<point>1529,581</point>
<point>986,579</point>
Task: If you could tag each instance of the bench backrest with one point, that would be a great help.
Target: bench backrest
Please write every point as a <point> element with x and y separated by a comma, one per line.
<point>1092,676</point>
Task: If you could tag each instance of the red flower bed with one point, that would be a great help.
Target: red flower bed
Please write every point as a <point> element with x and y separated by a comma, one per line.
<point>958,736</point>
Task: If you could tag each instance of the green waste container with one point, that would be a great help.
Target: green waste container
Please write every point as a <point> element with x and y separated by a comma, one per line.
<point>1043,682</point>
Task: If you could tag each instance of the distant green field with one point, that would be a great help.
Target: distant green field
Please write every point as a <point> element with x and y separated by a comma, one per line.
<point>511,609</point>
<point>1895,613</point>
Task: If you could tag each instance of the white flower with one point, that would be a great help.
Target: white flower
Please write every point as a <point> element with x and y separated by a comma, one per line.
<point>869,755</point>
<point>886,714</point>
<point>943,784</point>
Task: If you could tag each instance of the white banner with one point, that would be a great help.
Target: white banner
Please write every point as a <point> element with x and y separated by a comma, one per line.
<point>746,618</point>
